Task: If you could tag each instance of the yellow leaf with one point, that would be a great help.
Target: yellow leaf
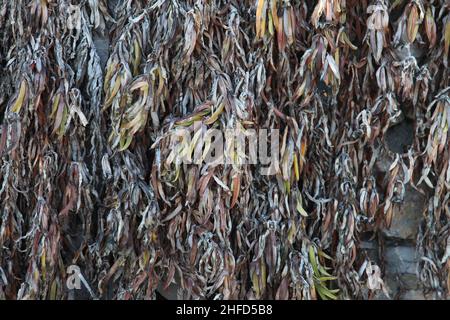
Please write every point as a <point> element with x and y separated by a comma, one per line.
<point>287,187</point>
<point>413,25</point>
<point>108,76</point>
<point>62,128</point>
<point>215,115</point>
<point>270,26</point>
<point>260,18</point>
<point>125,142</point>
<point>263,274</point>
<point>273,6</point>
<point>347,41</point>
<point>447,37</point>
<point>312,260</point>
<point>43,265</point>
<point>137,57</point>
<point>114,91</point>
<point>19,101</point>
<point>300,207</point>
<point>55,105</point>
<point>59,116</point>
<point>53,290</point>
<point>301,89</point>
<point>255,284</point>
<point>296,171</point>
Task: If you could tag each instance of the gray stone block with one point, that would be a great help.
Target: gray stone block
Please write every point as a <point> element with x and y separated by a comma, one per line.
<point>407,217</point>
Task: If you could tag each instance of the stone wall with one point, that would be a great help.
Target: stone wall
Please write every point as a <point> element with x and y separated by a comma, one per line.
<point>394,249</point>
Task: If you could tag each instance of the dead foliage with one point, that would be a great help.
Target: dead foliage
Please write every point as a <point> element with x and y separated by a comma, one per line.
<point>88,175</point>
